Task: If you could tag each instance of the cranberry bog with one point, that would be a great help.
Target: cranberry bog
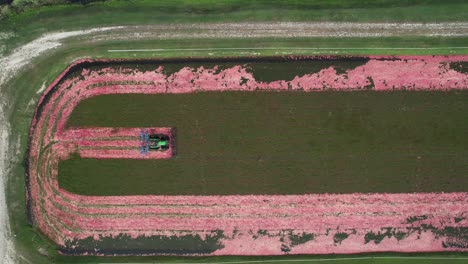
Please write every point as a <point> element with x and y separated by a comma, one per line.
<point>266,156</point>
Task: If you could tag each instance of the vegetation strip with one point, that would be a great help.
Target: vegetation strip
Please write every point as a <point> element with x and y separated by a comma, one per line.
<point>288,48</point>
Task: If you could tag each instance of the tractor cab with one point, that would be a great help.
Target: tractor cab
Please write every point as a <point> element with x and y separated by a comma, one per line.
<point>158,142</point>
<point>153,142</point>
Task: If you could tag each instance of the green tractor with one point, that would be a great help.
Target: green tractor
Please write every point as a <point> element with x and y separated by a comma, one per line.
<point>158,142</point>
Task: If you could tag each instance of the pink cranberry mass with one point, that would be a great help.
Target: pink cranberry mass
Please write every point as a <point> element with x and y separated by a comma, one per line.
<point>253,224</point>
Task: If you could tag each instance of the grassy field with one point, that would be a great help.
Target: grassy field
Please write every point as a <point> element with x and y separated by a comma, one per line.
<point>21,90</point>
<point>282,143</point>
<point>33,22</point>
<point>382,258</point>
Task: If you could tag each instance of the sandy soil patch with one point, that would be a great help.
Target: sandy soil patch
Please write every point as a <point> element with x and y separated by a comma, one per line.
<point>289,29</point>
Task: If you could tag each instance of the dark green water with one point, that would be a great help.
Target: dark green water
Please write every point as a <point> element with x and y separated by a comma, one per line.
<point>282,143</point>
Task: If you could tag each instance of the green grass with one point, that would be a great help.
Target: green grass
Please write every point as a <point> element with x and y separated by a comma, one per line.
<point>331,46</point>
<point>380,258</point>
<point>35,21</point>
<point>282,143</point>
